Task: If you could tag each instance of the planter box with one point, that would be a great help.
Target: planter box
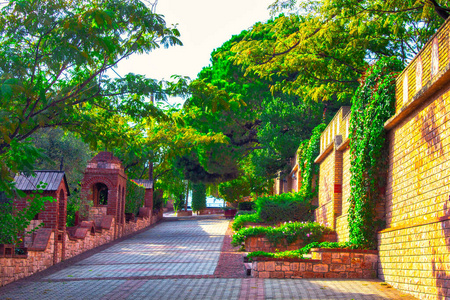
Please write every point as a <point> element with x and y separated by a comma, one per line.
<point>183,213</point>
<point>230,213</point>
<point>210,211</point>
<point>6,250</point>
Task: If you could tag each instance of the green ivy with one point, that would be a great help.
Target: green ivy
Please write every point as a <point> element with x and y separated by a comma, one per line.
<point>14,222</point>
<point>289,232</point>
<point>134,198</point>
<point>307,153</point>
<point>372,105</point>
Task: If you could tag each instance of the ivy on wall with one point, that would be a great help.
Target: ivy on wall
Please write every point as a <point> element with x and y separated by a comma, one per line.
<point>134,198</point>
<point>307,152</point>
<point>372,105</point>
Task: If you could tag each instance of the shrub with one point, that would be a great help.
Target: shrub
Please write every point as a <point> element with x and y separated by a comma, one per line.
<point>178,203</point>
<point>77,204</point>
<point>158,200</point>
<point>284,207</point>
<point>13,222</point>
<point>290,232</point>
<point>134,198</point>
<point>198,197</point>
<point>246,205</point>
<point>240,220</point>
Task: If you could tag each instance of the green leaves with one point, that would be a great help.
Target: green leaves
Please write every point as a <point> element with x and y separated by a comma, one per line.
<point>53,73</point>
<point>284,234</point>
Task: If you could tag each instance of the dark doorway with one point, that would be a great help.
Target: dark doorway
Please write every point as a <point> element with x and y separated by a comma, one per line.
<point>100,194</point>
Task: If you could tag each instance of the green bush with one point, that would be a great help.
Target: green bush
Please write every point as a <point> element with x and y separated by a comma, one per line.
<point>284,207</point>
<point>198,197</point>
<point>250,205</point>
<point>240,221</point>
<point>13,223</point>
<point>134,198</point>
<point>290,232</point>
<point>158,200</point>
<point>302,251</point>
<point>178,202</point>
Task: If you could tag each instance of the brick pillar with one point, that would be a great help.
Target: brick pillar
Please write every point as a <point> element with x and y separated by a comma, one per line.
<point>148,198</point>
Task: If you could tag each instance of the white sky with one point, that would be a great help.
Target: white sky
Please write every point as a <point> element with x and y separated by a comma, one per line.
<point>204,25</point>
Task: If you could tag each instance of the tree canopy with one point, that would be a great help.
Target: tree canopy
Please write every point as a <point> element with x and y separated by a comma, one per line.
<point>58,55</point>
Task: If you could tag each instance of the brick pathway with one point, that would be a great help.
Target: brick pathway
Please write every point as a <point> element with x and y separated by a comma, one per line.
<point>188,258</point>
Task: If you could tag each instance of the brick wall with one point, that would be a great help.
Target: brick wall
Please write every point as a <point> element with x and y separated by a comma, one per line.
<point>341,220</point>
<point>42,252</point>
<point>415,247</point>
<point>324,213</point>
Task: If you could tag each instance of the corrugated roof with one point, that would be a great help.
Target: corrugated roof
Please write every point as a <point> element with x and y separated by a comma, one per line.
<point>148,184</point>
<point>30,183</point>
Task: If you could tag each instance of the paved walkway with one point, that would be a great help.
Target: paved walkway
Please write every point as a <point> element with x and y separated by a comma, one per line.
<point>184,259</point>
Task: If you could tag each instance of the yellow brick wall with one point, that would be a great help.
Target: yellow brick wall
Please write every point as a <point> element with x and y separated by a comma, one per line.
<point>341,221</point>
<point>442,38</point>
<point>415,247</point>
<point>324,213</point>
<point>416,259</point>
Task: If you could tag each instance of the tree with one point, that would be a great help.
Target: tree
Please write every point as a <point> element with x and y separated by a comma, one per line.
<point>62,148</point>
<point>247,184</point>
<point>198,196</point>
<point>258,121</point>
<point>54,72</point>
<point>328,44</point>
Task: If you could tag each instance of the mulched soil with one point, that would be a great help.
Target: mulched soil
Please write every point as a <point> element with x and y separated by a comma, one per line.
<point>230,261</point>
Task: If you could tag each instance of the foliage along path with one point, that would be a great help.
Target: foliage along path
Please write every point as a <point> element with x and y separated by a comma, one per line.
<point>186,258</point>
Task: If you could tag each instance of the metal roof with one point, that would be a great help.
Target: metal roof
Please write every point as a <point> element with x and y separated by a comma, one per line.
<point>30,183</point>
<point>148,184</point>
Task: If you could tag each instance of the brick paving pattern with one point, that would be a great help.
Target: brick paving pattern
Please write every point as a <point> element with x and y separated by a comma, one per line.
<point>190,258</point>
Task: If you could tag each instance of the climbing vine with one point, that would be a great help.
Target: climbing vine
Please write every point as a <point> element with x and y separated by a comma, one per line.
<point>372,105</point>
<point>307,152</point>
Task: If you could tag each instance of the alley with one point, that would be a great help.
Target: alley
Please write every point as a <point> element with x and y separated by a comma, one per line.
<point>180,259</point>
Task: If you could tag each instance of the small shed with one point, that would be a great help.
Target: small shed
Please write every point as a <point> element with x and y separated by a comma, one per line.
<point>55,213</point>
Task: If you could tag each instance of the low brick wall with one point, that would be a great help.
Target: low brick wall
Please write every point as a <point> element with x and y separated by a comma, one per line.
<point>41,254</point>
<point>325,263</point>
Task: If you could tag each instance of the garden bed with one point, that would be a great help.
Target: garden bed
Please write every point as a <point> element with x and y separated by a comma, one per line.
<point>261,243</point>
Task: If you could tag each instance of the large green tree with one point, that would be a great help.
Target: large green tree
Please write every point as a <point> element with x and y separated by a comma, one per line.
<point>258,121</point>
<point>326,45</point>
<point>56,56</point>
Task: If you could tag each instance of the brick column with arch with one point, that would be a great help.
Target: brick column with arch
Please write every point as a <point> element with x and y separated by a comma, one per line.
<point>104,184</point>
